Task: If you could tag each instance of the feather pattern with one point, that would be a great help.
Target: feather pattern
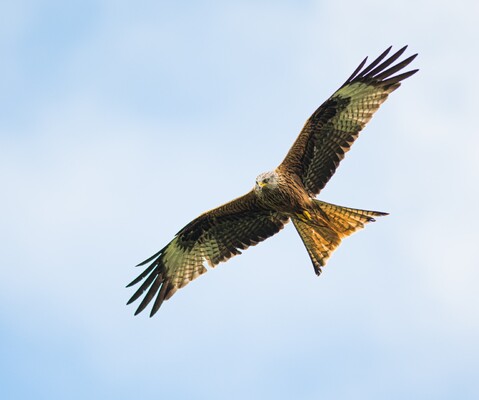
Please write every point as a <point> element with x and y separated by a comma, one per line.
<point>214,237</point>
<point>321,239</point>
<point>329,133</point>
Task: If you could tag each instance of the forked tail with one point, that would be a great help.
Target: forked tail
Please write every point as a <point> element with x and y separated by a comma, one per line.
<point>322,237</point>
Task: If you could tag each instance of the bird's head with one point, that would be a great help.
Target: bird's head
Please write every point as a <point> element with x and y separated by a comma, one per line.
<point>266,180</point>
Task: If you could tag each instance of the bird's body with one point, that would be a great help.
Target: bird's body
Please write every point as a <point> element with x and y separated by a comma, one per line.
<point>287,193</point>
<point>283,192</point>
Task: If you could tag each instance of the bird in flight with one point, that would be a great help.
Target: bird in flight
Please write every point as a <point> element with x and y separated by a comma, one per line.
<point>284,194</point>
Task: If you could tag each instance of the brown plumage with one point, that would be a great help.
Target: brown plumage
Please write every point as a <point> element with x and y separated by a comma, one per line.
<point>283,194</point>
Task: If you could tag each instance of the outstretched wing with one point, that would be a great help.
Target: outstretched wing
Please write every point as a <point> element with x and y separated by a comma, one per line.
<point>214,236</point>
<point>329,133</point>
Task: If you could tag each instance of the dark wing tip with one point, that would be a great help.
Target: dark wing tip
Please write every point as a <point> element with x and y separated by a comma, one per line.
<point>155,277</point>
<point>156,255</point>
<point>158,287</point>
<point>360,66</point>
<point>396,80</point>
<point>355,75</point>
<point>150,295</point>
<point>162,296</point>
<point>138,310</point>
<point>378,71</point>
<point>155,309</point>
<point>146,272</point>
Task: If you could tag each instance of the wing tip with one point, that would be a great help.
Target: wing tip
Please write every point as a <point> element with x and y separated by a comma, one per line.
<point>377,71</point>
<point>154,310</point>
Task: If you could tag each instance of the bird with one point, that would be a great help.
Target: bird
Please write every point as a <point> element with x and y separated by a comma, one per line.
<point>286,193</point>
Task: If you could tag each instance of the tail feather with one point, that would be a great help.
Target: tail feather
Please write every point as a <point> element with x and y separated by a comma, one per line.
<point>346,220</point>
<point>321,238</point>
<point>320,241</point>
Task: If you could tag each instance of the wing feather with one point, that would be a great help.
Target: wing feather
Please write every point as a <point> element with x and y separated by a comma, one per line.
<point>370,66</point>
<point>384,64</point>
<point>214,237</point>
<point>332,129</point>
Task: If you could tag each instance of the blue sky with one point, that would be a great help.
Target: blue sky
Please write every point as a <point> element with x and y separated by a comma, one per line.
<point>122,121</point>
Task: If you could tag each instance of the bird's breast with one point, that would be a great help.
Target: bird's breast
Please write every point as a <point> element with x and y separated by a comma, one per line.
<point>285,198</point>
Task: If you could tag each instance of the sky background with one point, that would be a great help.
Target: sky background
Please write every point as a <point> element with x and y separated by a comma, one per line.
<point>121,121</point>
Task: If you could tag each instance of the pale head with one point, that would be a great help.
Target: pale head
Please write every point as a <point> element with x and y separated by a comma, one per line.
<point>266,180</point>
